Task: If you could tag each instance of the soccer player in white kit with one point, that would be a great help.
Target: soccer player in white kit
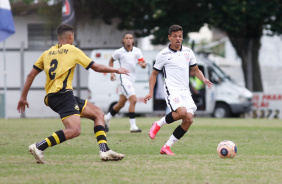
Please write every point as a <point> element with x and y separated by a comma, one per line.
<point>128,57</point>
<point>175,61</point>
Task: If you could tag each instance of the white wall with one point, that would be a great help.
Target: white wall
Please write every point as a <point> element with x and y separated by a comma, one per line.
<point>96,34</point>
<point>35,97</point>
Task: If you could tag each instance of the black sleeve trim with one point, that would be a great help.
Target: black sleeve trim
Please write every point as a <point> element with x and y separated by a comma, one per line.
<point>193,65</point>
<point>157,69</point>
<point>35,67</point>
<point>89,66</point>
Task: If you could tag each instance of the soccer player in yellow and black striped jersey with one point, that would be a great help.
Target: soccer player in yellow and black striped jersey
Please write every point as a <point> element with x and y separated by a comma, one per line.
<point>59,63</point>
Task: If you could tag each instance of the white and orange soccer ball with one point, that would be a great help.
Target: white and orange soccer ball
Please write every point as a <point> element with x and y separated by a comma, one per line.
<point>226,149</point>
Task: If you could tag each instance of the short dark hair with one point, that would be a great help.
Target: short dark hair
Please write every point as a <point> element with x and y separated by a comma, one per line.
<point>174,28</point>
<point>128,33</point>
<point>64,28</point>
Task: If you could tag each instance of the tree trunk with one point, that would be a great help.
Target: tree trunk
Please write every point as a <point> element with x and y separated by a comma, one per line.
<point>247,49</point>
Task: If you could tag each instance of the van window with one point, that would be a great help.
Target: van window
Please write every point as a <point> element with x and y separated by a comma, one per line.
<point>142,74</point>
<point>214,76</point>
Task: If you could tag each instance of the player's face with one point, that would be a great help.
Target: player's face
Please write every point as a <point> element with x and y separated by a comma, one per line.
<point>176,39</point>
<point>128,40</point>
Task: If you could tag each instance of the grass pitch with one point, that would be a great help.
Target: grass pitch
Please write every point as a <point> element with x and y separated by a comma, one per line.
<point>258,160</point>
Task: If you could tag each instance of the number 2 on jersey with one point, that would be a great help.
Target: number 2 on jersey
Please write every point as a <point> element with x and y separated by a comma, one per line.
<point>53,67</point>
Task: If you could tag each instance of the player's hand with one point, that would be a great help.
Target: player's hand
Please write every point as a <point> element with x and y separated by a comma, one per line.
<point>142,64</point>
<point>21,106</point>
<point>207,82</point>
<point>113,77</point>
<point>122,71</point>
<point>148,97</point>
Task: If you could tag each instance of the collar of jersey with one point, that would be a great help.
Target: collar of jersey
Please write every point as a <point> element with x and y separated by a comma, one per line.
<point>58,45</point>
<point>127,50</point>
<point>173,49</point>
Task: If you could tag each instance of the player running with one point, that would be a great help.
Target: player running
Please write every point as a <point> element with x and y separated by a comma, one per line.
<point>175,61</point>
<point>59,63</point>
<point>128,57</point>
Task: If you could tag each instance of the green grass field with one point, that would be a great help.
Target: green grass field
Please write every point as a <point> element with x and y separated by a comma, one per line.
<point>259,157</point>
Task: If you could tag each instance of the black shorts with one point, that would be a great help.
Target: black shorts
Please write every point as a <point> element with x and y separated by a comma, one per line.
<point>65,104</point>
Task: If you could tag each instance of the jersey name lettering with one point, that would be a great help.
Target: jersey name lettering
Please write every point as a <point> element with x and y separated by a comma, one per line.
<point>60,51</point>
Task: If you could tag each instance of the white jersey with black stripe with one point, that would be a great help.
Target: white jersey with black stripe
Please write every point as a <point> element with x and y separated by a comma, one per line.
<point>175,66</point>
<point>128,60</point>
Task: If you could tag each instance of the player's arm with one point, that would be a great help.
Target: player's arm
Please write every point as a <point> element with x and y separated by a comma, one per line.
<point>200,76</point>
<point>152,82</point>
<point>29,80</point>
<point>111,64</point>
<point>106,69</point>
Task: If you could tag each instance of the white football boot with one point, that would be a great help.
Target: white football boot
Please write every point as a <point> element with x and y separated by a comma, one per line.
<point>38,154</point>
<point>135,129</point>
<point>111,156</point>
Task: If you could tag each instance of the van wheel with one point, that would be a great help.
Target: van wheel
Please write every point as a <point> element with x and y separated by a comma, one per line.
<point>221,111</point>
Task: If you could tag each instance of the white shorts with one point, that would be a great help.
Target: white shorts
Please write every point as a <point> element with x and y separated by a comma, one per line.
<point>126,89</point>
<point>181,99</point>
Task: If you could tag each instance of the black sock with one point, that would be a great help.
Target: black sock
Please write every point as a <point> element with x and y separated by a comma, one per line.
<point>56,138</point>
<point>179,132</point>
<point>168,118</point>
<point>131,115</point>
<point>113,112</point>
<point>100,134</point>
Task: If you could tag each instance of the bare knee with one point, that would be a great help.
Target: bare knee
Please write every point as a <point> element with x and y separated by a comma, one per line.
<point>133,101</point>
<point>181,113</point>
<point>99,114</point>
<point>74,132</point>
<point>190,121</point>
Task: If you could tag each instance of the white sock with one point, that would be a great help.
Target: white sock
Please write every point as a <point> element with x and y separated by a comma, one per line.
<point>171,141</point>
<point>108,116</point>
<point>132,123</point>
<point>161,122</point>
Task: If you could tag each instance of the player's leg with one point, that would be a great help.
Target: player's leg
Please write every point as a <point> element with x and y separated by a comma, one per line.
<point>94,113</point>
<point>180,113</point>
<point>64,105</point>
<point>186,114</point>
<point>131,112</point>
<point>114,110</point>
<point>173,102</point>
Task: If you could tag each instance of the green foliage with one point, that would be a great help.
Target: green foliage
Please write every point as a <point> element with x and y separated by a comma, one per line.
<point>245,18</point>
<point>148,16</point>
<point>258,159</point>
<point>236,17</point>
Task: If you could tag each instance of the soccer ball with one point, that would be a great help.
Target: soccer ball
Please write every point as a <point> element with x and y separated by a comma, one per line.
<point>226,149</point>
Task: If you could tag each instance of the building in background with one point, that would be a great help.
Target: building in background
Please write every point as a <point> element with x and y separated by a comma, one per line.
<point>33,36</point>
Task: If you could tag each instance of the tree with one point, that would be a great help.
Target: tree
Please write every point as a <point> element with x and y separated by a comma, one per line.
<point>243,20</point>
<point>148,17</point>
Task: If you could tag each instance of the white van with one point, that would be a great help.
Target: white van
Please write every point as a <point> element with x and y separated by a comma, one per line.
<point>224,99</point>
